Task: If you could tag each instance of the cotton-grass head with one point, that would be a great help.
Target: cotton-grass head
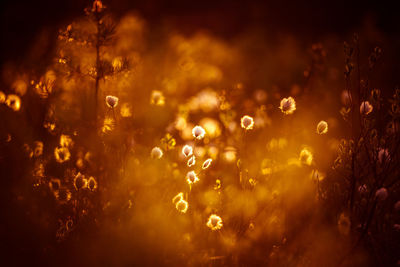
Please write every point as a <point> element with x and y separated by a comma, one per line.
<point>178,197</point>
<point>108,125</point>
<point>156,153</point>
<point>111,101</point>
<point>62,154</point>
<point>157,98</point>
<point>383,155</point>
<point>381,194</point>
<point>2,97</point>
<point>191,177</point>
<point>38,149</point>
<point>306,156</point>
<point>206,164</point>
<point>191,161</point>
<point>69,224</point>
<point>91,183</point>
<point>322,127</point>
<point>63,195</point>
<point>247,122</point>
<point>13,102</point>
<point>198,132</point>
<point>362,189</point>
<point>288,105</point>
<point>97,6</point>
<point>187,150</point>
<point>366,108</point>
<point>54,184</point>
<point>345,97</point>
<point>214,222</point>
<point>66,141</point>
<point>182,205</point>
<point>80,182</point>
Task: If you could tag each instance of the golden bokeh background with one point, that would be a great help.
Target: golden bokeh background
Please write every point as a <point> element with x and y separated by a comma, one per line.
<point>135,143</point>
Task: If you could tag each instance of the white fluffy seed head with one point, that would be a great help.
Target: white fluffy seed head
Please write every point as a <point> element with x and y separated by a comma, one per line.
<point>214,222</point>
<point>187,151</point>
<point>191,177</point>
<point>182,205</point>
<point>288,105</point>
<point>206,164</point>
<point>191,161</point>
<point>198,132</point>
<point>247,122</point>
<point>111,101</point>
<point>322,127</point>
<point>156,153</point>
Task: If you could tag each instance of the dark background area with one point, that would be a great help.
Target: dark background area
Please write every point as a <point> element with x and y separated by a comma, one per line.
<point>22,21</point>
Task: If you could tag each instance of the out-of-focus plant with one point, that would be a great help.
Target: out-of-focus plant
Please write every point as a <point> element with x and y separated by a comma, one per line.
<point>368,160</point>
<point>83,46</point>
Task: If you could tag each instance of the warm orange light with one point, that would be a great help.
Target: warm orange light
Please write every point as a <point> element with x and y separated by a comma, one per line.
<point>198,132</point>
<point>214,222</point>
<point>306,156</point>
<point>247,122</point>
<point>62,154</point>
<point>13,102</point>
<point>191,178</point>
<point>206,164</point>
<point>288,105</point>
<point>322,127</point>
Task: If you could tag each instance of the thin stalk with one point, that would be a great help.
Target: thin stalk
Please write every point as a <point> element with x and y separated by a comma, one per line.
<point>98,76</point>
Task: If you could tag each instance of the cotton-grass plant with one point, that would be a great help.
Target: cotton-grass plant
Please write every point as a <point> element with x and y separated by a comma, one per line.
<point>214,222</point>
<point>192,176</point>
<point>237,184</point>
<point>365,166</point>
<point>247,122</point>
<point>198,132</point>
<point>288,105</point>
<point>156,153</point>
<point>187,150</point>
<point>322,127</point>
<point>99,39</point>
